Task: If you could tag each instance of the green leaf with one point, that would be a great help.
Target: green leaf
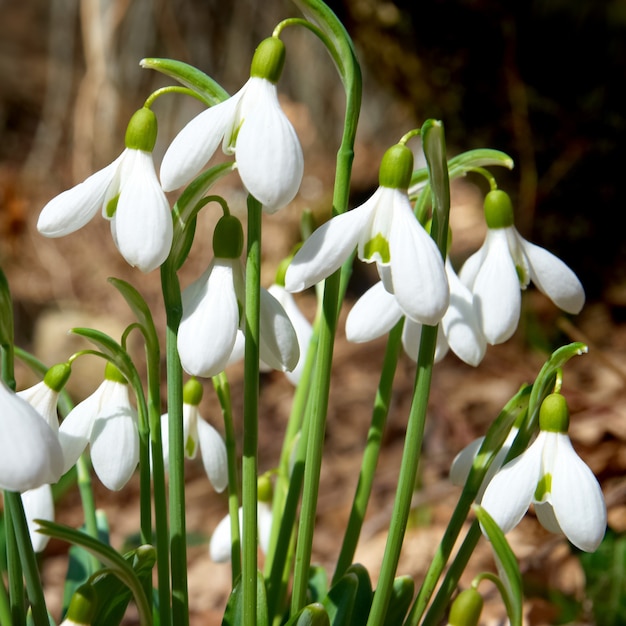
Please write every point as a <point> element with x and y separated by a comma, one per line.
<point>400,600</point>
<point>208,89</point>
<point>318,583</point>
<point>233,615</point>
<point>605,573</point>
<point>6,312</point>
<point>311,615</point>
<point>364,594</point>
<point>339,603</point>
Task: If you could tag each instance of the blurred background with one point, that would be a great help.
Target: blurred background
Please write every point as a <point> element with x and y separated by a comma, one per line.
<point>542,81</point>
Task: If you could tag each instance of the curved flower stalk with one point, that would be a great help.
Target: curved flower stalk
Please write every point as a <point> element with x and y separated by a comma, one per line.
<point>565,493</point>
<point>377,311</point>
<point>384,230</point>
<point>252,126</point>
<point>108,423</point>
<point>38,504</point>
<point>506,262</point>
<point>130,196</point>
<point>198,434</point>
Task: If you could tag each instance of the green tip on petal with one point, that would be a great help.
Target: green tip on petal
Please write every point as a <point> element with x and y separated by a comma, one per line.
<point>498,209</point>
<point>57,376</point>
<point>112,373</point>
<point>282,270</point>
<point>192,392</point>
<point>396,167</point>
<point>268,60</point>
<point>544,487</point>
<point>141,132</point>
<point>82,608</point>
<point>265,490</point>
<point>228,238</point>
<point>466,608</point>
<point>554,414</point>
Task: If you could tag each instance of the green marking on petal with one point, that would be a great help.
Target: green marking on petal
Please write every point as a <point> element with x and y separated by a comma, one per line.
<point>544,487</point>
<point>190,448</point>
<point>112,206</point>
<point>378,246</point>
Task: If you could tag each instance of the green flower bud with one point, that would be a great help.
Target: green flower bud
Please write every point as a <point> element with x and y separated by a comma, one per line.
<point>141,132</point>
<point>228,238</point>
<point>265,490</point>
<point>112,373</point>
<point>192,392</point>
<point>268,60</point>
<point>466,608</point>
<point>57,376</point>
<point>498,209</point>
<point>396,167</point>
<point>554,414</point>
<point>82,608</point>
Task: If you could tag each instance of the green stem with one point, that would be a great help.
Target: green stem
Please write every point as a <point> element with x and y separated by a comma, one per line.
<point>371,452</point>
<point>178,538</point>
<point>14,568</point>
<point>5,607</point>
<point>83,479</point>
<point>408,473</point>
<point>249,470</point>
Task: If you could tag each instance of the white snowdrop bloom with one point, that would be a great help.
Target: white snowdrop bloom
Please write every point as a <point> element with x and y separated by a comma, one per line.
<point>198,434</point>
<point>38,504</point>
<point>507,262</point>
<point>106,421</point>
<point>252,126</point>
<point>30,454</point>
<point>129,194</point>
<point>566,494</point>
<point>384,230</point>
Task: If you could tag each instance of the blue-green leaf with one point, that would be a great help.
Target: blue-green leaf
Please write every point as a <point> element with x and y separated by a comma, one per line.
<point>400,600</point>
<point>311,615</point>
<point>339,603</point>
<point>233,615</point>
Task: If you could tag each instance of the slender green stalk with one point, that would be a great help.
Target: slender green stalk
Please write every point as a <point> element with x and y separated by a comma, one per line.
<point>249,469</point>
<point>14,568</point>
<point>408,473</point>
<point>178,539</point>
<point>371,452</point>
<point>5,606</point>
<point>83,479</point>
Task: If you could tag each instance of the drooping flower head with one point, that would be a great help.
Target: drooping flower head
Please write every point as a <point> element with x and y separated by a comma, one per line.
<point>566,495</point>
<point>384,231</point>
<point>130,196</point>
<point>252,126</point>
<point>507,262</point>
<point>106,421</point>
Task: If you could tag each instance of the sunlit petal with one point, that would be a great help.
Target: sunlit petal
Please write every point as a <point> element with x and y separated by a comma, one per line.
<point>213,452</point>
<point>375,313</point>
<point>278,343</point>
<point>38,504</point>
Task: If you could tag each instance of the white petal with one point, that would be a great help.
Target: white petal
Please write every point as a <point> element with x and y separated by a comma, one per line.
<point>195,144</point>
<point>210,321</point>
<point>554,279</point>
<point>219,546</point>
<point>472,265</point>
<point>265,518</point>
<point>115,446</point>
<point>239,349</point>
<point>497,291</point>
<point>214,458</point>
<point>545,514</point>
<point>30,454</point>
<point>511,490</point>
<point>419,278</point>
<point>375,313</point>
<point>143,221</point>
<point>269,156</point>
<point>44,400</point>
<point>38,504</point>
<point>327,248</point>
<point>463,461</point>
<point>72,209</point>
<point>577,498</point>
<point>278,343</point>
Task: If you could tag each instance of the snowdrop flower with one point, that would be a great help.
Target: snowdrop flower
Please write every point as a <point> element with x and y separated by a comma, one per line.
<point>506,262</point>
<point>108,423</point>
<point>130,196</point>
<point>384,230</point>
<point>566,494</point>
<point>377,311</point>
<point>82,608</point>
<point>212,312</point>
<point>252,126</point>
<point>199,434</point>
<point>30,454</point>
<point>38,504</point>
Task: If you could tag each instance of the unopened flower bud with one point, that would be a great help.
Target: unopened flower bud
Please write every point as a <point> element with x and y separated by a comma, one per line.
<point>466,608</point>
<point>82,608</point>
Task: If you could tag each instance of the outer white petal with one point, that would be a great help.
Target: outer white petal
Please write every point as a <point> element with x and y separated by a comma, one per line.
<point>463,461</point>
<point>44,400</point>
<point>143,221</point>
<point>214,457</point>
<point>210,321</point>
<point>238,349</point>
<point>419,278</point>
<point>497,291</point>
<point>219,546</point>
<point>268,152</point>
<point>460,323</point>
<point>265,518</point>
<point>195,144</point>
<point>577,498</point>
<point>545,514</point>
<point>554,278</point>
<point>115,446</point>
<point>73,208</point>
<point>472,266</point>
<point>30,454</point>
<point>278,343</point>
<point>375,313</point>
<point>38,504</point>
<point>327,248</point>
<point>511,490</point>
